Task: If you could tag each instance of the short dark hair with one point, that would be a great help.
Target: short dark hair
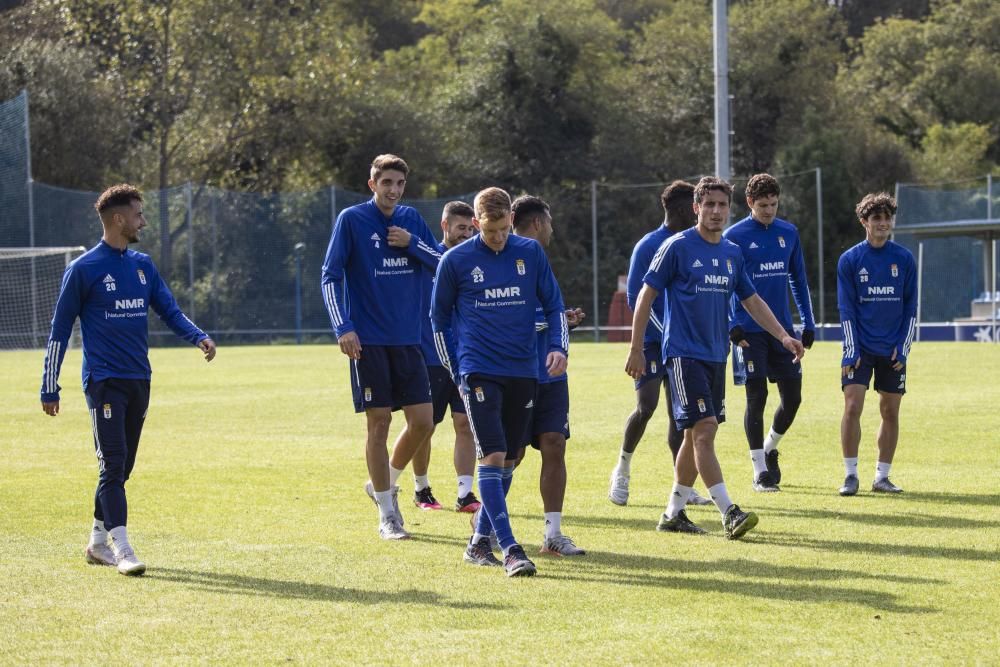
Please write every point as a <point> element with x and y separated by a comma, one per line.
<point>762,185</point>
<point>875,202</point>
<point>676,199</point>
<point>122,194</point>
<point>708,184</point>
<point>526,208</point>
<point>386,162</point>
<point>459,208</point>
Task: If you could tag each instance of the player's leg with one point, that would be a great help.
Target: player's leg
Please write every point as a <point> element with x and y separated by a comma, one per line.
<point>854,384</point>
<point>464,455</point>
<point>551,426</point>
<point>516,414</point>
<point>135,418</point>
<point>755,370</point>
<point>411,391</point>
<point>787,374</point>
<point>647,395</point>
<point>891,385</point>
<point>674,518</point>
<point>675,438</point>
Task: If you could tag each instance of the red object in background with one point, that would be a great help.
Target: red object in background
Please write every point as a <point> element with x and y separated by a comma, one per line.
<point>619,315</point>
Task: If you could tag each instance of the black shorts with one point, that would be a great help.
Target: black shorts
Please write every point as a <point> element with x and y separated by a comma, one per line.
<point>444,393</point>
<point>697,390</point>
<point>764,358</point>
<point>655,370</point>
<point>117,413</point>
<point>551,413</point>
<point>499,410</point>
<point>389,376</point>
<point>887,379</point>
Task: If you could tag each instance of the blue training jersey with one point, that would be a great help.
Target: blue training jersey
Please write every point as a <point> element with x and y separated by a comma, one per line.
<point>373,288</point>
<point>431,357</point>
<point>111,291</point>
<point>699,278</point>
<point>877,298</point>
<point>638,266</point>
<point>774,262</point>
<point>489,298</point>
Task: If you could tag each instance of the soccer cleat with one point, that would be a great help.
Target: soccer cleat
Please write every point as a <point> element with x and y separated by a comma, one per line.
<point>468,503</point>
<point>560,545</point>
<point>679,524</point>
<point>370,490</point>
<point>737,522</point>
<point>128,564</point>
<point>850,486</point>
<point>100,554</point>
<point>697,499</point>
<point>480,553</point>
<point>390,529</point>
<point>425,500</point>
<point>771,459</point>
<point>618,492</point>
<point>517,563</point>
<point>884,486</point>
<point>765,483</point>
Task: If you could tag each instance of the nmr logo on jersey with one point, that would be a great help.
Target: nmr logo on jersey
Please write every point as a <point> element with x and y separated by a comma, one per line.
<point>772,266</point>
<point>716,280</point>
<point>395,261</point>
<point>502,292</point>
<point>129,304</point>
<point>882,289</point>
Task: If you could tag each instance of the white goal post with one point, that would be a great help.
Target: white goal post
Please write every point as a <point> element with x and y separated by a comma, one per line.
<point>30,279</point>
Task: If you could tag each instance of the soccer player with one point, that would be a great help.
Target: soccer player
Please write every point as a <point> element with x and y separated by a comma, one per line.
<point>110,288</point>
<point>486,291</point>
<point>456,227</point>
<point>774,262</point>
<point>677,200</point>
<point>549,427</point>
<point>700,271</point>
<point>372,286</point>
<point>877,297</point>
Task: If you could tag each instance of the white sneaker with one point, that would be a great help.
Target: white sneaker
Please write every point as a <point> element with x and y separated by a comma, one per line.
<point>370,490</point>
<point>618,492</point>
<point>128,564</point>
<point>100,554</point>
<point>697,499</point>
<point>560,545</point>
<point>390,529</point>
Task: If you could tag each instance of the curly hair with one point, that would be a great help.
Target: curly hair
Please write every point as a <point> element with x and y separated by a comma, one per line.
<point>762,185</point>
<point>875,202</point>
<point>710,183</point>
<point>122,194</point>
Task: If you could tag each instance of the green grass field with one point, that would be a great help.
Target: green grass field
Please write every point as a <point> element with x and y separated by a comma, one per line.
<point>247,506</point>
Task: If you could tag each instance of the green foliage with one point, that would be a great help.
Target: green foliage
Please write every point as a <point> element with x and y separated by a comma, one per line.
<point>954,152</point>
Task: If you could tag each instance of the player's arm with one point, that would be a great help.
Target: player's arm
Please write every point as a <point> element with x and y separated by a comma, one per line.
<point>443,299</point>
<point>332,282</point>
<point>420,244</point>
<point>637,268</point>
<point>635,365</point>
<point>908,325</point>
<point>67,310</point>
<point>551,299</point>
<point>165,305</point>
<point>762,315</point>
<point>847,302</point>
<point>799,285</point>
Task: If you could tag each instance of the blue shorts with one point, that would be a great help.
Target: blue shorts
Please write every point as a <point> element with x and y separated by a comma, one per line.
<point>655,370</point>
<point>389,376</point>
<point>444,393</point>
<point>887,379</point>
<point>551,414</point>
<point>697,390</point>
<point>499,410</point>
<point>764,358</point>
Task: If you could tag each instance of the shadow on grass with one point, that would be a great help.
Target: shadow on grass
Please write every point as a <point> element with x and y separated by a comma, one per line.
<point>876,548</point>
<point>884,519</point>
<point>935,497</point>
<point>235,584</point>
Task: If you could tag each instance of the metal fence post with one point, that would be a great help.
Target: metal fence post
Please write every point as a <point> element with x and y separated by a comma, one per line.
<point>593,240</point>
<point>31,224</point>
<point>819,236</point>
<point>189,214</point>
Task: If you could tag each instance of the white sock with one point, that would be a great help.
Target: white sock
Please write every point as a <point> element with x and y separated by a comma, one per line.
<point>394,475</point>
<point>882,470</point>
<point>625,462</point>
<point>384,501</point>
<point>759,464</point>
<point>464,485</point>
<point>851,466</point>
<point>720,497</point>
<point>553,524</point>
<point>119,539</point>
<point>772,440</point>
<point>678,499</point>
<point>420,482</point>
<point>98,534</point>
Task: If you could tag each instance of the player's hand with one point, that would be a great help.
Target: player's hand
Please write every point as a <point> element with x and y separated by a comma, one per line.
<point>556,363</point>
<point>794,345</point>
<point>738,336</point>
<point>808,338</point>
<point>844,370</point>
<point>635,365</point>
<point>208,347</point>
<point>350,345</point>
<point>398,237</point>
<point>574,316</point>
<point>51,408</point>
<point>898,366</point>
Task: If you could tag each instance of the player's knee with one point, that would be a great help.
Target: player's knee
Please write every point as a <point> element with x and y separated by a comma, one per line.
<point>890,413</point>
<point>791,395</point>
<point>853,408</point>
<point>756,395</point>
<point>553,447</point>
